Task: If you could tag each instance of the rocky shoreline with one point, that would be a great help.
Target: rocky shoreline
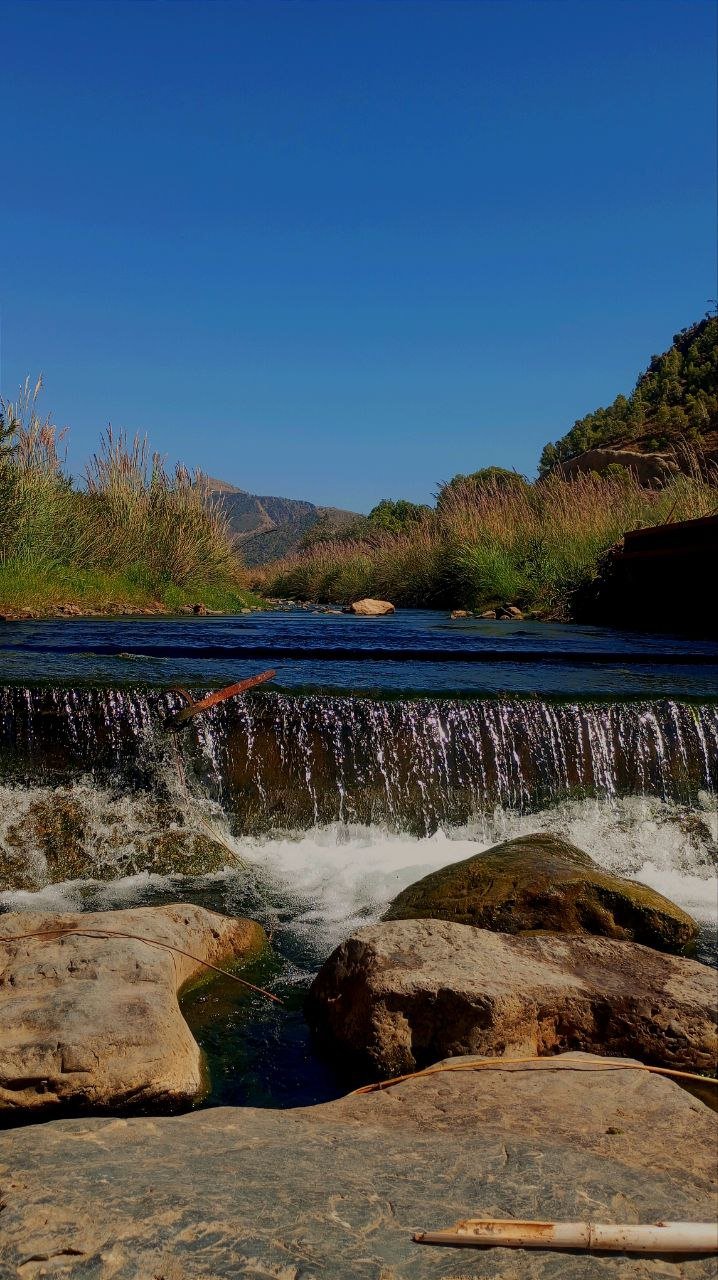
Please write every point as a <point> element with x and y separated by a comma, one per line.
<point>91,1023</point>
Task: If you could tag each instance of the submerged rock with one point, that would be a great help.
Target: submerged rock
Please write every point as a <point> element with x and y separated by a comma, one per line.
<point>57,834</point>
<point>371,608</point>
<point>403,994</point>
<point>337,1190</point>
<point>90,1022</point>
<point>541,882</point>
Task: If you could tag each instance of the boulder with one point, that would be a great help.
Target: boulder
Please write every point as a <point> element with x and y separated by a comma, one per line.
<point>488,613</point>
<point>542,882</point>
<point>399,995</point>
<point>371,608</point>
<point>338,1190</point>
<point>461,613</point>
<point>92,1022</point>
<point>651,468</point>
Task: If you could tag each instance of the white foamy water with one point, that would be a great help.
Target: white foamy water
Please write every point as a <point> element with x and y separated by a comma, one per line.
<point>324,883</point>
<point>351,875</point>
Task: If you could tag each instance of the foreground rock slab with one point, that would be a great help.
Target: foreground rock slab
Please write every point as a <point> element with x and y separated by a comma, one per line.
<point>94,1022</point>
<point>335,1192</point>
<point>543,882</point>
<point>405,993</point>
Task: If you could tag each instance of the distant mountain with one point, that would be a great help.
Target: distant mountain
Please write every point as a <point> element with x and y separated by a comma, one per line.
<point>268,527</point>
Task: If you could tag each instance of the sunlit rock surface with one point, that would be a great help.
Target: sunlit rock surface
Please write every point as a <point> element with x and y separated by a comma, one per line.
<point>91,1022</point>
<point>336,1191</point>
<point>405,993</point>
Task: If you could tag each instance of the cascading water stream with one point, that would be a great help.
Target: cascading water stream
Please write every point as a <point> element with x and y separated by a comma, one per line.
<point>340,799</point>
<point>277,762</point>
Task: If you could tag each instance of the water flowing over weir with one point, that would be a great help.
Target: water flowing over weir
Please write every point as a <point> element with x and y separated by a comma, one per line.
<point>309,812</point>
<point>276,763</point>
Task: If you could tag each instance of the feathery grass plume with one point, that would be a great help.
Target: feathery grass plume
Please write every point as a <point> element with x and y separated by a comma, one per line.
<point>143,517</point>
<point>36,499</point>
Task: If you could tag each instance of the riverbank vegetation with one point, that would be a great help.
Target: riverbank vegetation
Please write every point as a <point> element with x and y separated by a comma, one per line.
<point>495,538</point>
<point>137,536</point>
<point>492,539</point>
<point>133,535</point>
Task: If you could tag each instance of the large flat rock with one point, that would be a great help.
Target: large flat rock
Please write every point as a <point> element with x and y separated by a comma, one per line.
<point>335,1192</point>
<point>88,1022</point>
<point>405,993</point>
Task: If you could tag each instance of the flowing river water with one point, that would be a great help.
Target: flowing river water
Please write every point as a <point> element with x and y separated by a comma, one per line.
<point>383,749</point>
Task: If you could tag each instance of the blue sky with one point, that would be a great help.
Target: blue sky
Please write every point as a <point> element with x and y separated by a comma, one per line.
<point>344,250</point>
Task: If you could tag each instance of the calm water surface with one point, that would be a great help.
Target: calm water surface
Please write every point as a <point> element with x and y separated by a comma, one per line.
<point>413,651</point>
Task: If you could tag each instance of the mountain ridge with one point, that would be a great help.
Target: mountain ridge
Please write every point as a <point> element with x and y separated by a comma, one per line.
<point>268,526</point>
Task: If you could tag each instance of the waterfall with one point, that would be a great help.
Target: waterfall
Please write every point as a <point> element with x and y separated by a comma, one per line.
<point>275,762</point>
<point>318,809</point>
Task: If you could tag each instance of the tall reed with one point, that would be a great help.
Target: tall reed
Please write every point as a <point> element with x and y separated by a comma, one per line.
<point>36,499</point>
<point>140,516</point>
<point>532,544</point>
<point>160,528</point>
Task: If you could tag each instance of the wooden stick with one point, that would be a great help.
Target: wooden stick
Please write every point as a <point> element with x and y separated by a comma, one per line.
<point>547,1064</point>
<point>220,695</point>
<point>594,1237</point>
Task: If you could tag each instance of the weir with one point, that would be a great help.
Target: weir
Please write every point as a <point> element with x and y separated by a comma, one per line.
<point>274,762</point>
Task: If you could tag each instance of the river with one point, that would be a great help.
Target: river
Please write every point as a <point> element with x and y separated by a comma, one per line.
<point>382,749</point>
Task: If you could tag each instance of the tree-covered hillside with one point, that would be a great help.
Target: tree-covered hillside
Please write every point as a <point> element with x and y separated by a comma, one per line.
<point>675,399</point>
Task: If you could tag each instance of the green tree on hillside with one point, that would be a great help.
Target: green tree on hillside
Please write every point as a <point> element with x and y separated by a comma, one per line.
<point>676,398</point>
<point>397,514</point>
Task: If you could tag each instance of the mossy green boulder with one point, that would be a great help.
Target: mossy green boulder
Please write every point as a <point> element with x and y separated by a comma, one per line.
<point>541,883</point>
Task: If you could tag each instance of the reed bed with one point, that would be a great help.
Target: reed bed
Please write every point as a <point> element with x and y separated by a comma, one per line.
<point>133,531</point>
<point>534,545</point>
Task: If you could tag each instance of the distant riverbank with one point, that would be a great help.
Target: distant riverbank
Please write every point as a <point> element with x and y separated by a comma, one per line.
<point>493,543</point>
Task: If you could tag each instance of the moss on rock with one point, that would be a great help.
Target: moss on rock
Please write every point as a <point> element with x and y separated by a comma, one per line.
<point>60,835</point>
<point>541,883</point>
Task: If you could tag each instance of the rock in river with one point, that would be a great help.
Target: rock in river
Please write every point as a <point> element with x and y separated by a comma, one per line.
<point>405,993</point>
<point>371,608</point>
<point>90,1022</point>
<point>543,882</point>
<point>335,1192</point>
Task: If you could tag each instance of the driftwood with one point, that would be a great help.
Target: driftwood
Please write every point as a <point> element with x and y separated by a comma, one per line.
<point>592,1237</point>
<point>220,695</point>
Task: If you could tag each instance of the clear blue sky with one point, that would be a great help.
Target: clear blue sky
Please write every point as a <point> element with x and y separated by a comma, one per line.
<point>344,250</point>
